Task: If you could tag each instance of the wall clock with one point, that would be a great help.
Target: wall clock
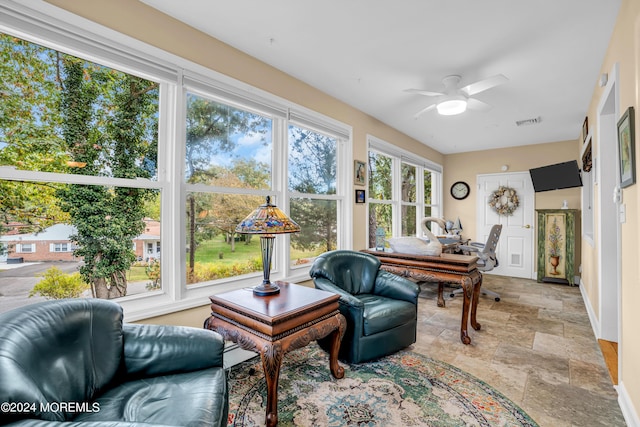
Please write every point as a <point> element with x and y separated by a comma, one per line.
<point>460,190</point>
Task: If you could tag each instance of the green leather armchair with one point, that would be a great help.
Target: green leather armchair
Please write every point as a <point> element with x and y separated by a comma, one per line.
<point>381,308</point>
<point>74,363</point>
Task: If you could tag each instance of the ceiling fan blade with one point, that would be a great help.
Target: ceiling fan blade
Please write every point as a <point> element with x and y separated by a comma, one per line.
<point>485,84</point>
<point>475,104</point>
<point>424,92</point>
<point>424,110</point>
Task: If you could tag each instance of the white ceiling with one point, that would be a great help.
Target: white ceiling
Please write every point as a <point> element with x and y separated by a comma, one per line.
<point>367,52</point>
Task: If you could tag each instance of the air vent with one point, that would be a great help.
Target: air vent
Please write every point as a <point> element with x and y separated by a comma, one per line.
<point>529,121</point>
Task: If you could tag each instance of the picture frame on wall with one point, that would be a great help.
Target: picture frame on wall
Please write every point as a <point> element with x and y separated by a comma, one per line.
<point>585,129</point>
<point>360,196</point>
<point>627,148</point>
<point>360,172</point>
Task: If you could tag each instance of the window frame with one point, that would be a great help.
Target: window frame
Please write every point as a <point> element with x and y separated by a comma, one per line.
<point>400,156</point>
<point>49,26</point>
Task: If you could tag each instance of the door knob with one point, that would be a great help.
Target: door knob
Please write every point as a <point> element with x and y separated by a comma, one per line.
<point>526,226</point>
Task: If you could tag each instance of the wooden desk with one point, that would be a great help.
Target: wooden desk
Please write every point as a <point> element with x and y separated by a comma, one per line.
<point>276,324</point>
<point>447,268</point>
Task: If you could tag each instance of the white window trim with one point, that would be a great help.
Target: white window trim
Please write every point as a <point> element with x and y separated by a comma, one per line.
<point>45,24</point>
<point>399,156</point>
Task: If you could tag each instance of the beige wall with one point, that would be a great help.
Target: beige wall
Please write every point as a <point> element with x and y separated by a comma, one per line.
<point>466,166</point>
<point>624,49</point>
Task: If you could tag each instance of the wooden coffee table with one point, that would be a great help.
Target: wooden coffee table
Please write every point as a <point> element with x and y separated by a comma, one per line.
<point>276,324</point>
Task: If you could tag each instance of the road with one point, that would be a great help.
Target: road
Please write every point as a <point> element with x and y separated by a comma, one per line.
<point>17,280</point>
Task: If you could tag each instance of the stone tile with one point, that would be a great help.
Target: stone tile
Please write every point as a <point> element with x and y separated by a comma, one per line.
<point>554,369</point>
<point>536,346</point>
<point>590,376</point>
<point>567,402</point>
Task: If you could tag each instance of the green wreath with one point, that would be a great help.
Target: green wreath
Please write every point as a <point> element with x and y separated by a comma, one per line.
<point>504,201</point>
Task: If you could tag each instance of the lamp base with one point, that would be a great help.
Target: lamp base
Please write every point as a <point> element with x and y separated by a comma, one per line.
<point>266,289</point>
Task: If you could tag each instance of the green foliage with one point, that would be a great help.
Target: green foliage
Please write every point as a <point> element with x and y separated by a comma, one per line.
<point>213,271</point>
<point>107,219</point>
<point>29,131</point>
<point>57,285</point>
<point>153,272</point>
<point>312,170</point>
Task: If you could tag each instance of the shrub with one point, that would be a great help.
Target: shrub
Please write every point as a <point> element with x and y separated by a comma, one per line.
<point>210,271</point>
<point>57,285</point>
<point>153,272</point>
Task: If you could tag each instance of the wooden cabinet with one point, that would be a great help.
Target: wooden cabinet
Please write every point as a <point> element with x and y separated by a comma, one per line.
<point>557,231</point>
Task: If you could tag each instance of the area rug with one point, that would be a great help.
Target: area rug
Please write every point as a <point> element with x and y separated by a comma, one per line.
<point>404,389</point>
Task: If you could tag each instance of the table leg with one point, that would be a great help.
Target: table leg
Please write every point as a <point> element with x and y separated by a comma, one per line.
<point>467,294</point>
<point>474,304</point>
<point>336,337</point>
<point>440,292</point>
<point>271,356</point>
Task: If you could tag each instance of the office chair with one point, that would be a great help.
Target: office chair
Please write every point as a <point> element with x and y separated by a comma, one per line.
<point>487,259</point>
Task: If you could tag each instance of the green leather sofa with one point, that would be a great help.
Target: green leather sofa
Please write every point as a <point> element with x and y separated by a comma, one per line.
<point>381,308</point>
<point>74,363</point>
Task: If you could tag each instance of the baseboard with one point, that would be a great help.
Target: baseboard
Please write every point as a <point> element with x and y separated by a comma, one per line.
<point>626,406</point>
<point>595,323</point>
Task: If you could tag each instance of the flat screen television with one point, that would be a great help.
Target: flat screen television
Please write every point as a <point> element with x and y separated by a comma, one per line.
<point>556,177</point>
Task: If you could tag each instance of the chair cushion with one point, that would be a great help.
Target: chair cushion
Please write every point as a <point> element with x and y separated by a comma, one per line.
<point>354,272</point>
<point>381,314</point>
<point>187,399</point>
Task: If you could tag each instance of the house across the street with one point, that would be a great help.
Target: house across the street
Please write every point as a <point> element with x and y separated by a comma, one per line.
<point>53,244</point>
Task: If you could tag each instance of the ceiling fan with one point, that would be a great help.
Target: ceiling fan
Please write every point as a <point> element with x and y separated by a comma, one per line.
<point>454,100</point>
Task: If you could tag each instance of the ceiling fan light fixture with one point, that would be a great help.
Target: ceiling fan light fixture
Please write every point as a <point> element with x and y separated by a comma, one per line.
<point>451,107</point>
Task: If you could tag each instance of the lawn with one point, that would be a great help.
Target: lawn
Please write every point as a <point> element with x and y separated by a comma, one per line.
<point>218,251</point>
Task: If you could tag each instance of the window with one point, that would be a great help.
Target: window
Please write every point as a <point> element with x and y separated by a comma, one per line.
<point>403,189</point>
<point>228,161</point>
<point>61,247</point>
<point>312,182</point>
<point>25,248</point>
<point>80,136</point>
<point>114,136</point>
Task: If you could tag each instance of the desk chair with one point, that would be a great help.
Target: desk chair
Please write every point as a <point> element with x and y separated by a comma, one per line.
<point>487,259</point>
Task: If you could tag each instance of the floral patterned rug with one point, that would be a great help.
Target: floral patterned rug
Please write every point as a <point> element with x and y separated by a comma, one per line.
<point>404,389</point>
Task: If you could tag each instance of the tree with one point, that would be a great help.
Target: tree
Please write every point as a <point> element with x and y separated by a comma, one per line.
<point>106,141</point>
<point>312,170</point>
<point>29,132</point>
<point>212,129</point>
<point>226,211</point>
<point>380,183</point>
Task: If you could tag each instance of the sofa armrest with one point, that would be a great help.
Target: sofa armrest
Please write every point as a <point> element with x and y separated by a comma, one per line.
<point>160,349</point>
<point>393,286</point>
<point>345,297</point>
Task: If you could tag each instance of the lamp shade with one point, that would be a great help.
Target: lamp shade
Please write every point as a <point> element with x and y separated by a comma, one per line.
<point>267,219</point>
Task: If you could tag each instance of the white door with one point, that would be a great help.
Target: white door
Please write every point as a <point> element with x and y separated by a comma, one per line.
<point>515,247</point>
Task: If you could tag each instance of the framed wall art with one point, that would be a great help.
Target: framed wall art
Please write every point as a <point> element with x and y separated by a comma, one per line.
<point>360,172</point>
<point>627,148</point>
<point>360,196</point>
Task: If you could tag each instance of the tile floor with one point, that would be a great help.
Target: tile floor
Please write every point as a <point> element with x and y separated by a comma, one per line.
<point>536,346</point>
